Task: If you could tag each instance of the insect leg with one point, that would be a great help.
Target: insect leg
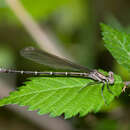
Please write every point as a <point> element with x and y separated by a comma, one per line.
<point>89,84</point>
<point>109,88</point>
<point>102,92</point>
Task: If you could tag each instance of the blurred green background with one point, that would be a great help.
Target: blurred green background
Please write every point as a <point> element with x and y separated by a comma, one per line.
<point>74,26</point>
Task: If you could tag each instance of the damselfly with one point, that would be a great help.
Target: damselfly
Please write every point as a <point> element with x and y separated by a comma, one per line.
<point>51,60</point>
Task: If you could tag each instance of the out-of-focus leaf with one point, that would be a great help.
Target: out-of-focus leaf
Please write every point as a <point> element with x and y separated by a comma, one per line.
<point>114,23</point>
<point>72,15</point>
<point>6,57</point>
<point>107,124</point>
<point>40,9</point>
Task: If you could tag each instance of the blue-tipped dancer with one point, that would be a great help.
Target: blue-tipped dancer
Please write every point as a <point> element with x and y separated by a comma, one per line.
<point>51,60</point>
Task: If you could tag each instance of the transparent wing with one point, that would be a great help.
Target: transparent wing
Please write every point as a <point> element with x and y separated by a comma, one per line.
<point>51,60</point>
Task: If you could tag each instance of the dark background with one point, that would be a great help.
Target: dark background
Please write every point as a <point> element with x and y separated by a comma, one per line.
<point>74,27</point>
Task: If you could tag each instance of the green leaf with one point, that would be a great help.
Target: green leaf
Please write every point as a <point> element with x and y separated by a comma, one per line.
<point>61,95</point>
<point>118,43</point>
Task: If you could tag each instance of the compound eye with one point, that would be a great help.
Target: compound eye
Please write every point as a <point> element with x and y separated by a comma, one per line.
<point>111,78</point>
<point>110,74</point>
